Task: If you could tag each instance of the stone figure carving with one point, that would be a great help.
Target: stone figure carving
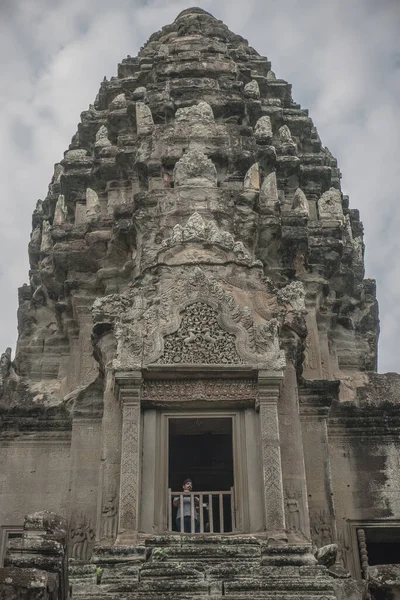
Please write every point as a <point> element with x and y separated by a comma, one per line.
<point>321,530</point>
<point>81,536</point>
<point>110,515</point>
<point>293,515</point>
<point>200,339</point>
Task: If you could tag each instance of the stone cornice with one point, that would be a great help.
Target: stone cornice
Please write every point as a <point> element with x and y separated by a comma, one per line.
<point>38,421</point>
<point>316,397</point>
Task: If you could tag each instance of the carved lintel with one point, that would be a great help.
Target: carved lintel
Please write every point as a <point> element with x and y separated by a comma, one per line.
<point>269,386</point>
<point>171,391</point>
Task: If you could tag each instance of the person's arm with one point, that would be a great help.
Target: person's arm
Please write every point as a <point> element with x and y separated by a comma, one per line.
<point>175,501</point>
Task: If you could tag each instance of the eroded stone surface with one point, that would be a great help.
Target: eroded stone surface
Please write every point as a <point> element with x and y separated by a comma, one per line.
<point>197,217</point>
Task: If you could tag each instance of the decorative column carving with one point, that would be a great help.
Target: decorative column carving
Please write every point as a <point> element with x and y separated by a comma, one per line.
<point>362,546</point>
<point>268,389</point>
<point>129,393</point>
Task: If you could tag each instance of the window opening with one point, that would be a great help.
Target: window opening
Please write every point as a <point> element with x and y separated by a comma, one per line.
<point>383,545</point>
<point>8,533</point>
<point>201,449</point>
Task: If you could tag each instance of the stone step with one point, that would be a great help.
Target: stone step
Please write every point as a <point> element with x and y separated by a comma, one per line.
<point>298,585</point>
<point>278,596</point>
<point>200,539</point>
<point>203,548</point>
<point>165,570</point>
<point>115,573</point>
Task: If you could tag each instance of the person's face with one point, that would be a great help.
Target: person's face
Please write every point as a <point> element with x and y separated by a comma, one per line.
<point>187,487</point>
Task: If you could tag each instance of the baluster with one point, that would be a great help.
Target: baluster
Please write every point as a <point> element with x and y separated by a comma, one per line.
<point>169,509</point>
<point>233,524</point>
<point>201,514</point>
<point>210,513</point>
<point>192,526</point>
<point>362,544</point>
<point>182,517</point>
<point>221,512</point>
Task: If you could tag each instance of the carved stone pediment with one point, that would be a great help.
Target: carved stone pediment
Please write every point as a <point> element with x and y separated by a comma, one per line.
<point>203,241</point>
<point>191,319</point>
<point>200,339</point>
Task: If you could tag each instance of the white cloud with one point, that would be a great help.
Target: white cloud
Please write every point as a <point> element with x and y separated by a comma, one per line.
<point>342,58</point>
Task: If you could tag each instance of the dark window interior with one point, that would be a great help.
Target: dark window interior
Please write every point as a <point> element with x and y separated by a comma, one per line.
<point>201,448</point>
<point>383,545</point>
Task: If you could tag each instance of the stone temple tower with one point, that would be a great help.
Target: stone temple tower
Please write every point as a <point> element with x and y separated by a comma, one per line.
<point>197,309</point>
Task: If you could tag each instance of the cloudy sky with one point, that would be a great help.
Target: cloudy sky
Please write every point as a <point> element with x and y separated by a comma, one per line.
<point>342,57</point>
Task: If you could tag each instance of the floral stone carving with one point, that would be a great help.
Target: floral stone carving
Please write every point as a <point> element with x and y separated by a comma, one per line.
<point>150,332</point>
<point>198,230</point>
<point>200,339</point>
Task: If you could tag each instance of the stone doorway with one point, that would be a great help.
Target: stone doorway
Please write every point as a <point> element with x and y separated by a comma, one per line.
<point>240,451</point>
<point>202,448</point>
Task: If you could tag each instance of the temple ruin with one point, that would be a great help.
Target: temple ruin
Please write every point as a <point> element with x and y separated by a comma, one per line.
<point>197,308</point>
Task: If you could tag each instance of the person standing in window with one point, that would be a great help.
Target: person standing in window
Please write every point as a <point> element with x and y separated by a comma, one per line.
<point>187,487</point>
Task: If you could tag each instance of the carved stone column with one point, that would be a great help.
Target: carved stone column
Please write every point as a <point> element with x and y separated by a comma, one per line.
<point>268,389</point>
<point>129,384</point>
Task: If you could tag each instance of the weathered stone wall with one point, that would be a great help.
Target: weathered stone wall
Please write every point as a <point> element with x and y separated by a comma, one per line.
<point>197,223</point>
<point>34,474</point>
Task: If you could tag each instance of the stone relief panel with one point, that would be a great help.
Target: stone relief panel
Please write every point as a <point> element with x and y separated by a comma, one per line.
<point>130,458</point>
<point>81,537</point>
<point>160,390</point>
<point>294,513</point>
<point>109,514</point>
<point>145,317</point>
<point>321,529</point>
<point>200,339</point>
<point>272,467</point>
